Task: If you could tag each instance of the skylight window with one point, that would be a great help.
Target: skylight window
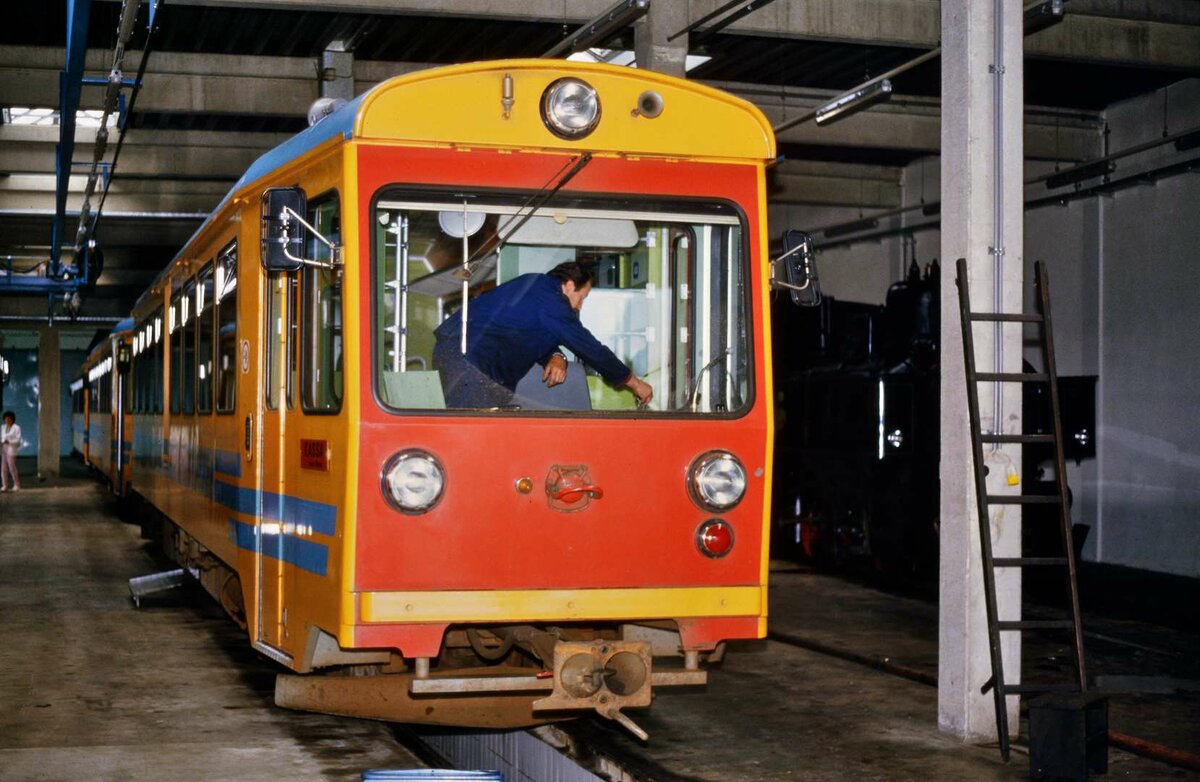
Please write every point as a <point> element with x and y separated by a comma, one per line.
<point>627,57</point>
<point>25,115</point>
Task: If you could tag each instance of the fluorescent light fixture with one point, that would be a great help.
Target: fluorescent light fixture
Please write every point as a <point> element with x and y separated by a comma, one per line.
<point>27,115</point>
<point>1082,173</point>
<point>627,58</point>
<point>850,102</point>
<point>1045,14</point>
<point>1190,141</point>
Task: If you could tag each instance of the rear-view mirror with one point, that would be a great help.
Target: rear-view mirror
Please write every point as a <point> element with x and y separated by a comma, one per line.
<point>798,265</point>
<point>283,229</point>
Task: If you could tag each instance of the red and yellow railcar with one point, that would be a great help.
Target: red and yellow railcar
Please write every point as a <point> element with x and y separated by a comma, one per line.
<point>489,566</point>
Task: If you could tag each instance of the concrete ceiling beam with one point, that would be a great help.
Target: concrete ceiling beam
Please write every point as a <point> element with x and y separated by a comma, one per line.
<point>179,83</point>
<point>1170,11</point>
<point>1146,32</point>
<point>1112,41</point>
<point>32,230</point>
<point>914,124</point>
<point>834,184</point>
<point>163,154</point>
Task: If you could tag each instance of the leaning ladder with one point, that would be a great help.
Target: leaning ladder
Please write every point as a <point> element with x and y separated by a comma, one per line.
<point>1000,688</point>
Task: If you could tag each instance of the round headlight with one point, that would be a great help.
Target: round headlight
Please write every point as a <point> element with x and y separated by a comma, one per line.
<point>570,108</point>
<point>717,481</point>
<point>413,481</point>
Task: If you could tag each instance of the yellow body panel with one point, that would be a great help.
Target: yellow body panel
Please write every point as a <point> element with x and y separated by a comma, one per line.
<point>455,106</point>
<point>562,604</point>
<point>353,341</point>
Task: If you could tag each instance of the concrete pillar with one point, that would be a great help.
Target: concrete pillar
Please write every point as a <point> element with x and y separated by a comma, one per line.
<point>337,72</point>
<point>981,181</point>
<point>650,46</point>
<point>49,401</point>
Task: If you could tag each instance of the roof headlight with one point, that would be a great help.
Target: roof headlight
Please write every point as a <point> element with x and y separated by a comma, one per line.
<point>570,108</point>
<point>413,481</point>
<point>717,481</point>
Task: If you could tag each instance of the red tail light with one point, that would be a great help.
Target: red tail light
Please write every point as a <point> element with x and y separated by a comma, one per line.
<point>714,538</point>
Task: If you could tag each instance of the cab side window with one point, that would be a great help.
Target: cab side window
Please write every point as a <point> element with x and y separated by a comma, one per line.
<point>227,301</point>
<point>322,367</point>
<point>204,340</point>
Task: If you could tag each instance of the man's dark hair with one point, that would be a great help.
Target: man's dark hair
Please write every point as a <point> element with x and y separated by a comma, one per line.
<point>9,414</point>
<point>572,271</point>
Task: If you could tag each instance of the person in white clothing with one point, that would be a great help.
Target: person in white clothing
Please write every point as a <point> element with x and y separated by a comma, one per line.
<point>10,442</point>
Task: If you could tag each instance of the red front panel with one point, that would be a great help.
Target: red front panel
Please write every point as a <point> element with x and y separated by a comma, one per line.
<point>484,534</point>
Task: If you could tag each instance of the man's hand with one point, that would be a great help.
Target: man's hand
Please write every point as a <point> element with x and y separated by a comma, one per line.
<point>641,389</point>
<point>555,371</point>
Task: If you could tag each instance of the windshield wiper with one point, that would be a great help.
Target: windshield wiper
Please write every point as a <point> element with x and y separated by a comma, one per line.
<point>694,397</point>
<point>534,203</point>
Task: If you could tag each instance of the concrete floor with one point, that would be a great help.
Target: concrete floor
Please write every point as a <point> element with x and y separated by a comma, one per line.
<point>91,688</point>
<point>776,711</point>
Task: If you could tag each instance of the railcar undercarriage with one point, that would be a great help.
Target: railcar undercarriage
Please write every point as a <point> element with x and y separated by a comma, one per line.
<point>509,676</point>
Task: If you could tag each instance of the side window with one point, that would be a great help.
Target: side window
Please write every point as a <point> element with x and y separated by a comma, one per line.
<point>188,337</point>
<point>175,321</point>
<point>139,369</point>
<point>273,339</point>
<point>148,374</point>
<point>227,306</point>
<point>204,340</point>
<point>322,368</point>
<point>157,383</point>
<point>293,338</point>
<point>127,388</point>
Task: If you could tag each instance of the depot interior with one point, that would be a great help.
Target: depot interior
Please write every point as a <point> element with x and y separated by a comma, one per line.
<point>1098,181</point>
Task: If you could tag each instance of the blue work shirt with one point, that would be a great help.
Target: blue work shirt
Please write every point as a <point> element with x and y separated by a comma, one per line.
<point>524,322</point>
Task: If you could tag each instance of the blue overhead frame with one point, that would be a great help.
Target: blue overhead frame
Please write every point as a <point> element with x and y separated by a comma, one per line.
<point>70,86</point>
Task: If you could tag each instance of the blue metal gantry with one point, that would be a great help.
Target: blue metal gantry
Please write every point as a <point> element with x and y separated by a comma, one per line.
<point>83,269</point>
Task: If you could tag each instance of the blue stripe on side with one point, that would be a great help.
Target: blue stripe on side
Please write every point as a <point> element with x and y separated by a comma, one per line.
<point>305,554</point>
<point>229,463</point>
<point>277,507</point>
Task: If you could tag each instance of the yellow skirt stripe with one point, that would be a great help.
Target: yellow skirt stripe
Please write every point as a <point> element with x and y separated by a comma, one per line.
<point>562,604</point>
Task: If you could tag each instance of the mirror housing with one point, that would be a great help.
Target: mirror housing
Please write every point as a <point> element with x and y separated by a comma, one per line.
<point>799,269</point>
<point>282,231</point>
<point>124,358</point>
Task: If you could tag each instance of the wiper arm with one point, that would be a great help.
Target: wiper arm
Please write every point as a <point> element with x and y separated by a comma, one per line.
<point>694,397</point>
<point>534,203</point>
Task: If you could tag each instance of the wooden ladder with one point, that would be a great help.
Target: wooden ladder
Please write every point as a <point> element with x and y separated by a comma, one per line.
<point>1000,688</point>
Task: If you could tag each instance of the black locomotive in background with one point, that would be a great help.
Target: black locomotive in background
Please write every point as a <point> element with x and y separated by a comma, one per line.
<point>857,433</point>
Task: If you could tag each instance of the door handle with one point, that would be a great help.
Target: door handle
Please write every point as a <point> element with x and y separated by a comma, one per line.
<point>576,493</point>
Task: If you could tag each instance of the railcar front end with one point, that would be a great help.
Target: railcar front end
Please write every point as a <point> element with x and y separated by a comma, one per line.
<point>492,567</point>
<point>556,554</point>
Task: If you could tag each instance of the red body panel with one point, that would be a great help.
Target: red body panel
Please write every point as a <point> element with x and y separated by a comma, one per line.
<point>484,534</point>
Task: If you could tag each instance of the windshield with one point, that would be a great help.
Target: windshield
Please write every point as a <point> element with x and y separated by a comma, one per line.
<point>460,289</point>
